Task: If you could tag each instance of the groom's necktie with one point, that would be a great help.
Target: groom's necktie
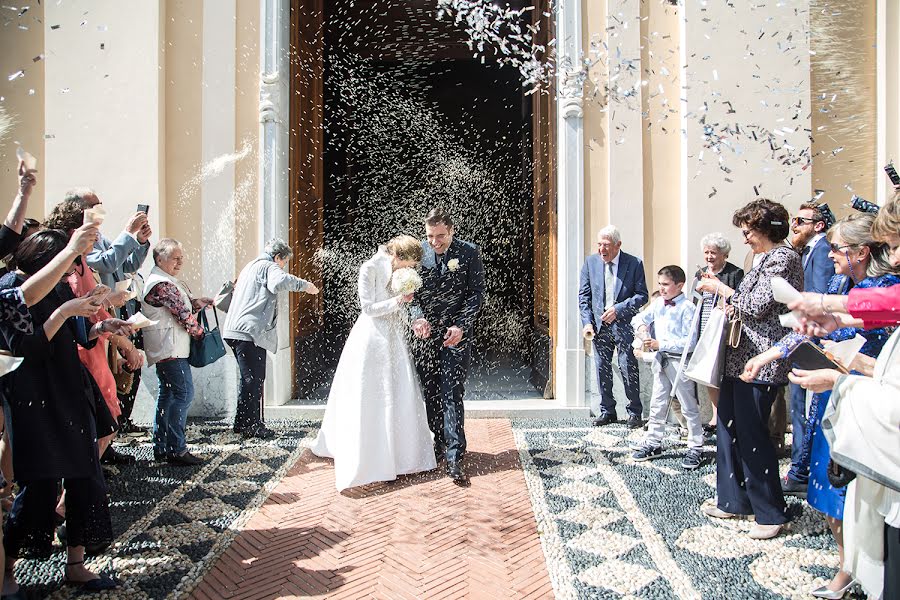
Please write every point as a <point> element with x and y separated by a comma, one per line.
<point>609,286</point>
<point>439,261</point>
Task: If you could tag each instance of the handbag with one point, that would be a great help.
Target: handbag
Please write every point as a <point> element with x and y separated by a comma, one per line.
<point>209,348</point>
<point>123,377</point>
<point>839,476</point>
<point>735,326</point>
<point>223,298</point>
<point>707,363</point>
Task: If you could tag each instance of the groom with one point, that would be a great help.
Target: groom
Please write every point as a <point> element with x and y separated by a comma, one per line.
<point>444,312</point>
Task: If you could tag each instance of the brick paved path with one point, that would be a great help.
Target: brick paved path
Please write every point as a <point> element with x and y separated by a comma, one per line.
<point>421,537</point>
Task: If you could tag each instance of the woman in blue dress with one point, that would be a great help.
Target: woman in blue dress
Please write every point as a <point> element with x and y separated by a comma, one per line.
<point>859,261</point>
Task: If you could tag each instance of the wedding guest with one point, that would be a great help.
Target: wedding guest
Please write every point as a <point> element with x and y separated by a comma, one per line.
<point>55,439</point>
<point>672,316</point>
<point>16,318</point>
<point>808,226</point>
<point>251,329</point>
<point>12,229</point>
<point>747,480</point>
<point>612,291</point>
<point>168,301</point>
<point>872,505</point>
<point>115,261</point>
<point>715,250</point>
<point>862,262</point>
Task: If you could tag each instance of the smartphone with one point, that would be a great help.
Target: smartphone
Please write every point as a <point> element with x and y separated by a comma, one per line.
<point>892,173</point>
<point>144,208</point>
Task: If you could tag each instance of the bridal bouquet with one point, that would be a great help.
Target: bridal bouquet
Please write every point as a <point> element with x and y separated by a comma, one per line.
<point>405,281</point>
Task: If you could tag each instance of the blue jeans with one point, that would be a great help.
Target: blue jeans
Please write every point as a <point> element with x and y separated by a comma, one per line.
<point>176,391</point>
<point>799,461</point>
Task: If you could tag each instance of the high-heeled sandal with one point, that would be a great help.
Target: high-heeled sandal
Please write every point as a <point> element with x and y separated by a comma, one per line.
<point>824,592</point>
<point>103,582</point>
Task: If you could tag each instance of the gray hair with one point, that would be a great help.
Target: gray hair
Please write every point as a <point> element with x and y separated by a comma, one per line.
<point>611,232</point>
<point>716,240</point>
<point>79,194</point>
<point>278,247</point>
<point>164,249</point>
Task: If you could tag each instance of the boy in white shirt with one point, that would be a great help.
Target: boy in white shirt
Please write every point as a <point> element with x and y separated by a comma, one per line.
<point>672,316</point>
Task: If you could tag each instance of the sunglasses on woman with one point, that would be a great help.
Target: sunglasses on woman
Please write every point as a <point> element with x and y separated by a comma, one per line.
<point>835,248</point>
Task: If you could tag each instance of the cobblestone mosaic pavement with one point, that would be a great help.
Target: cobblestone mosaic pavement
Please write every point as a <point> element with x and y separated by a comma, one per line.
<point>614,528</point>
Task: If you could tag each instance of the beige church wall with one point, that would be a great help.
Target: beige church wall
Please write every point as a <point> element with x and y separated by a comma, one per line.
<point>22,99</point>
<point>844,101</point>
<point>246,215</point>
<point>727,65</point>
<point>183,134</point>
<point>596,141</point>
<point>101,110</point>
<point>661,137</point>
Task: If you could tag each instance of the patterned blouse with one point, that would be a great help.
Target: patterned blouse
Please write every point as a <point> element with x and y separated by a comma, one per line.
<point>13,312</point>
<point>165,295</point>
<point>759,312</point>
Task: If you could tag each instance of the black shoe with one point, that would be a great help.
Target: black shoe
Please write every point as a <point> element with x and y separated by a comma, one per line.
<point>129,426</point>
<point>455,472</point>
<point>61,533</point>
<point>259,432</point>
<point>792,487</point>
<point>111,457</point>
<point>605,419</point>
<point>635,422</point>
<point>184,459</point>
<point>160,456</point>
<point>709,429</point>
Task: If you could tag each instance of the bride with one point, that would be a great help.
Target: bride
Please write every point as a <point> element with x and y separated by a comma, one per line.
<point>374,426</point>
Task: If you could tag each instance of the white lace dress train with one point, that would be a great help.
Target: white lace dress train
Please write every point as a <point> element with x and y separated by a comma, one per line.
<point>375,426</point>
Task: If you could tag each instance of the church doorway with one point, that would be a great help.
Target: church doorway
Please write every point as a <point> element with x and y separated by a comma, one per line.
<point>390,117</point>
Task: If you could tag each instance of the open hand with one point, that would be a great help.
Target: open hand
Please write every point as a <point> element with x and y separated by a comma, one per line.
<point>83,239</point>
<point>116,327</point>
<point>406,298</point>
<point>421,328</point>
<point>133,358</point>
<point>452,337</point>
<point>311,288</point>
<point>79,307</point>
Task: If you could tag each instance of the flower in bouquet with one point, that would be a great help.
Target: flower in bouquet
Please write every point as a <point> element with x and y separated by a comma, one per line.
<point>405,281</point>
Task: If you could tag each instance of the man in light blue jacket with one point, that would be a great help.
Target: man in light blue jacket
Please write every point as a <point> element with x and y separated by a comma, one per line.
<point>114,261</point>
<point>250,329</point>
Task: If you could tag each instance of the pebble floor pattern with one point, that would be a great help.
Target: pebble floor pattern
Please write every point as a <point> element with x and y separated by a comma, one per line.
<point>171,522</point>
<point>613,528</point>
<point>592,524</point>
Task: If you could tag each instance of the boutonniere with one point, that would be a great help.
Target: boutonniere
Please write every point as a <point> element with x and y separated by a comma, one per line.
<point>453,264</point>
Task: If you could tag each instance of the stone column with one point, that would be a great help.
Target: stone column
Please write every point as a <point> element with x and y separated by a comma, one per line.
<point>274,210</point>
<point>570,356</point>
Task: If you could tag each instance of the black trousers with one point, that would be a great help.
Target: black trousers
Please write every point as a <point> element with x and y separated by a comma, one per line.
<point>442,372</point>
<point>251,360</point>
<point>891,563</point>
<point>747,480</point>
<point>126,401</point>
<point>31,521</point>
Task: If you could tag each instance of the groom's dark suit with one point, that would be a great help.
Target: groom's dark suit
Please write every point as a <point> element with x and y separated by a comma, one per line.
<point>451,295</point>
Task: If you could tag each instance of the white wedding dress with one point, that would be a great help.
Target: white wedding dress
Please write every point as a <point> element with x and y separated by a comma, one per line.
<point>375,426</point>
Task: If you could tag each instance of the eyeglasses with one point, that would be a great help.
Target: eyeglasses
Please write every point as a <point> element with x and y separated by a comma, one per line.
<point>801,220</point>
<point>746,233</point>
<point>835,248</point>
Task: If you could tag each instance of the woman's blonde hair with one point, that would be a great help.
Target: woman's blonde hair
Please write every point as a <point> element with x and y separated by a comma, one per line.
<point>406,247</point>
<point>857,230</point>
<point>887,223</point>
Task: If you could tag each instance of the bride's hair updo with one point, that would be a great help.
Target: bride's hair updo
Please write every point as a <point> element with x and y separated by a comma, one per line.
<point>405,247</point>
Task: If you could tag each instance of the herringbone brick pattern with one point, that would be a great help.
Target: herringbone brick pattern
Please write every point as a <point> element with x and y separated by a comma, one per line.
<point>421,537</point>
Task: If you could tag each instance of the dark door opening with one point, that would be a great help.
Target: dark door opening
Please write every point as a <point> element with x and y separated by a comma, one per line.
<point>410,121</point>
